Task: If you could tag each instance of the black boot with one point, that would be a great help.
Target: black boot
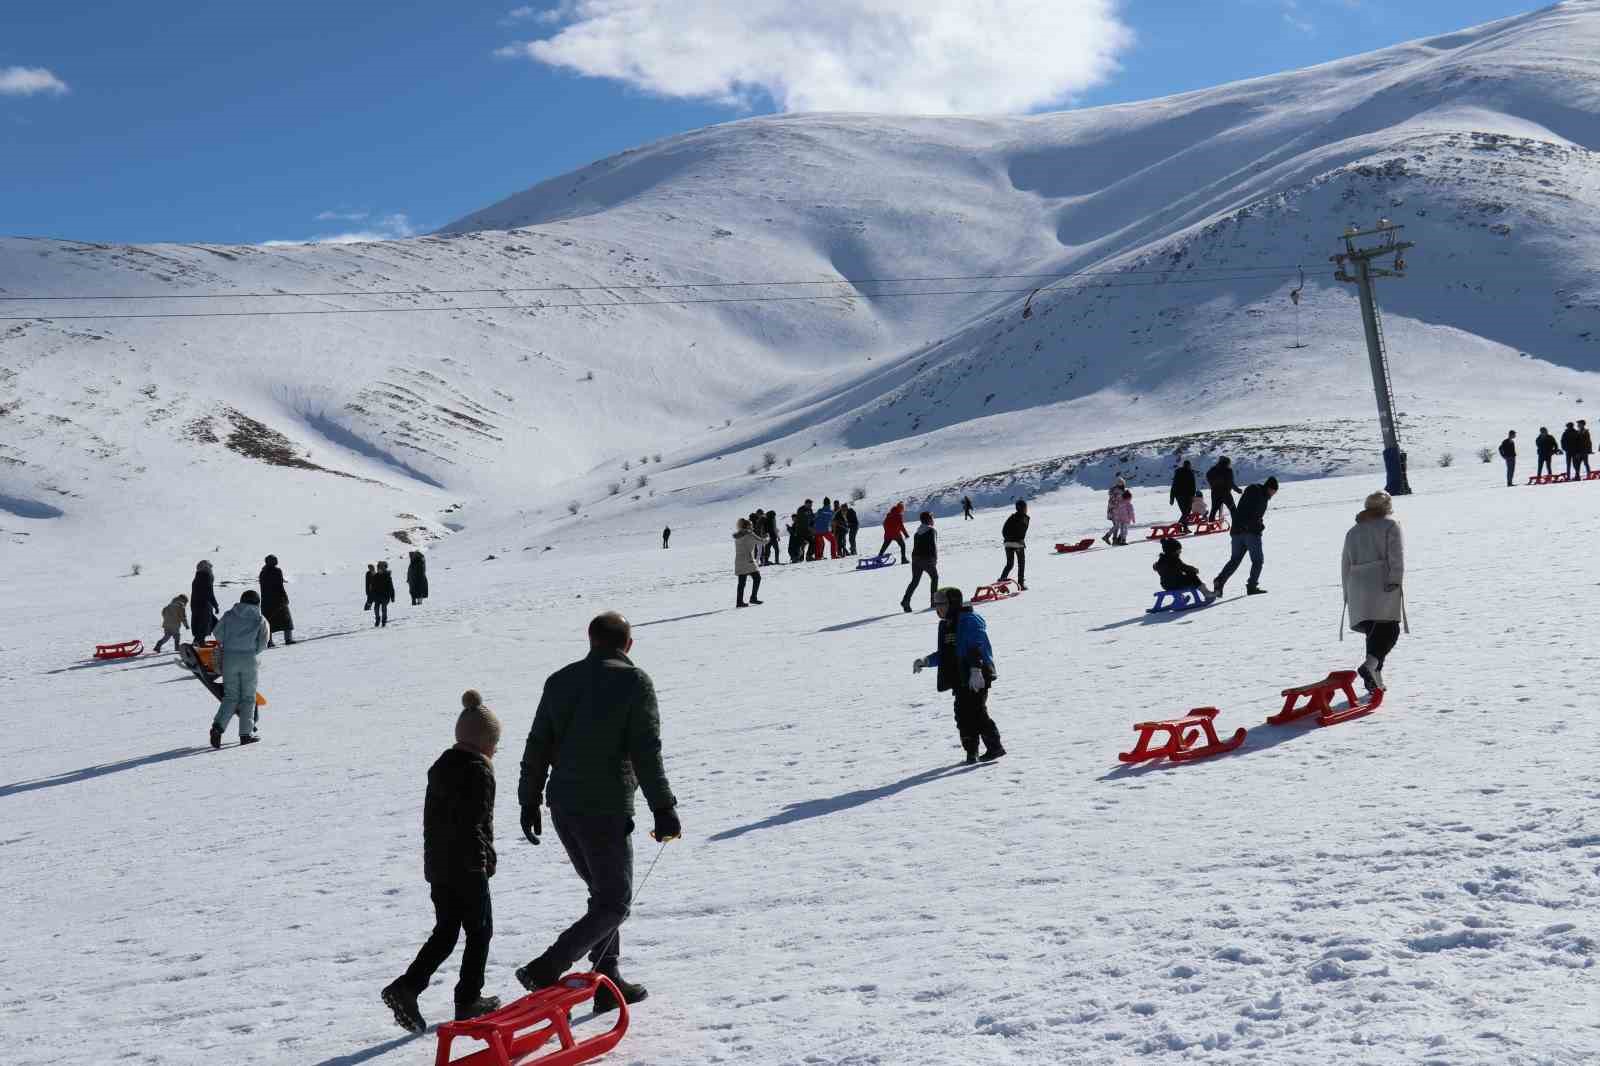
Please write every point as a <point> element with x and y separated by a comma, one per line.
<point>403,1002</point>
<point>605,1002</point>
<point>992,748</point>
<point>970,744</point>
<point>1254,590</point>
<point>477,1008</point>
<point>540,973</point>
<point>905,605</point>
<point>216,737</point>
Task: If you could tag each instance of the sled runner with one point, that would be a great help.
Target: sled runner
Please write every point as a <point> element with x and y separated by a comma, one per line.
<point>1082,546</point>
<point>1000,590</point>
<point>1179,738</point>
<point>1206,526</point>
<point>1181,600</point>
<point>1551,479</point>
<point>126,650</point>
<point>205,663</point>
<point>877,562</point>
<point>516,1031</point>
<point>1175,529</point>
<point>1319,701</point>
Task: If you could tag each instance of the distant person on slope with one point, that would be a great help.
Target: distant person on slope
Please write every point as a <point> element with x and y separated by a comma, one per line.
<point>1569,446</point>
<point>241,635</point>
<point>1585,442</point>
<point>1546,447</point>
<point>965,662</point>
<point>852,523</point>
<point>1014,534</point>
<point>203,605</point>
<point>1113,500</point>
<point>841,529</point>
<point>803,525</point>
<point>417,578</point>
<point>172,621</point>
<point>894,530</point>
<point>1182,493</point>
<point>382,595</point>
<point>372,572</point>
<point>924,560</point>
<point>1175,574</point>
<point>597,738</point>
<point>1220,480</point>
<point>1122,517</point>
<point>747,562</point>
<point>666,537</point>
<point>966,508</point>
<point>275,601</point>
<point>458,859</point>
<point>1249,523</point>
<point>822,538</point>
<point>1508,452</point>
<point>1372,571</point>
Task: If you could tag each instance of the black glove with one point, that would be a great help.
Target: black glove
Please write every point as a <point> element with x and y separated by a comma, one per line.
<point>667,826</point>
<point>532,823</point>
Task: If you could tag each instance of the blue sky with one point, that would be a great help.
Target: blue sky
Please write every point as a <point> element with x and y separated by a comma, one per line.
<point>228,122</point>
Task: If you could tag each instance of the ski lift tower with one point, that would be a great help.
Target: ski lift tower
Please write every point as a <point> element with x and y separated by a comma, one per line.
<point>1363,260</point>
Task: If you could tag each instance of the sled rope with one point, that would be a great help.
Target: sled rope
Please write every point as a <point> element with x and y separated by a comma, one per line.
<point>633,898</point>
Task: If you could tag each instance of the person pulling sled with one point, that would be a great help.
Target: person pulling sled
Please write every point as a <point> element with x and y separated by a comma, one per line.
<point>965,662</point>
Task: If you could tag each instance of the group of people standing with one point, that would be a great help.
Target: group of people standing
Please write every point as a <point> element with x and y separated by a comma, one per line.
<point>1576,443</point>
<point>380,586</point>
<point>815,533</point>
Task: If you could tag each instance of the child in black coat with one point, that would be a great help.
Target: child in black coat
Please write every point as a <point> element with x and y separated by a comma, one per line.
<point>1174,572</point>
<point>457,860</point>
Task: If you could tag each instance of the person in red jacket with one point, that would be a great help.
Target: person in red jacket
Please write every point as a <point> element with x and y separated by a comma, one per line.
<point>894,530</point>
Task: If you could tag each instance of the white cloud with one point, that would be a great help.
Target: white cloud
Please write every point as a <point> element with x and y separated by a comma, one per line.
<point>1293,16</point>
<point>550,15</point>
<point>27,81</point>
<point>343,216</point>
<point>906,56</point>
<point>388,228</point>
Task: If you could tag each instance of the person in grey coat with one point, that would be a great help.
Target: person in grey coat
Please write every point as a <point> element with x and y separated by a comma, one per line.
<point>1372,571</point>
<point>241,636</point>
<point>747,562</point>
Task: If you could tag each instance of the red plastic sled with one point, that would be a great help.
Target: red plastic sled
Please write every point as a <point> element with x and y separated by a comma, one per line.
<point>1549,479</point>
<point>1000,590</point>
<point>1082,546</point>
<point>1179,738</point>
<point>1175,529</point>
<point>1319,701</point>
<point>516,1031</point>
<point>1206,526</point>
<point>126,650</point>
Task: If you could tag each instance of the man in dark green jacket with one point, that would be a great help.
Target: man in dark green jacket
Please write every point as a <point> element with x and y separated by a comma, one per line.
<point>596,739</point>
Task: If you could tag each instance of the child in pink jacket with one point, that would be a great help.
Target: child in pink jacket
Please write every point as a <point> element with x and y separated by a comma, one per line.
<point>1122,517</point>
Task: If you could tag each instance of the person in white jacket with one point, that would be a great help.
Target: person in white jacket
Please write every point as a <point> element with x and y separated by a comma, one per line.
<point>747,562</point>
<point>241,636</point>
<point>1372,571</point>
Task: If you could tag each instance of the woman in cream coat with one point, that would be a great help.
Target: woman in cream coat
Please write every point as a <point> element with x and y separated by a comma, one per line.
<point>1373,574</point>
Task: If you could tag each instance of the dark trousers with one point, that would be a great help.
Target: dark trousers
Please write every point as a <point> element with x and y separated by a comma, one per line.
<point>458,904</point>
<point>1580,460</point>
<point>1243,543</point>
<point>1219,501</point>
<point>1511,470</point>
<point>1017,557</point>
<point>918,568</point>
<point>1381,639</point>
<point>1546,466</point>
<point>973,721</point>
<point>601,849</point>
<point>888,540</point>
<point>853,531</point>
<point>1184,503</point>
<point>380,613</point>
<point>755,587</point>
<point>966,512</point>
<point>203,625</point>
<point>1569,462</point>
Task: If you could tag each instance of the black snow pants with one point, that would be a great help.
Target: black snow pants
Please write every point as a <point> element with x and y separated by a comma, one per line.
<point>918,568</point>
<point>973,722</point>
<point>755,588</point>
<point>1381,639</point>
<point>601,849</point>
<point>1220,500</point>
<point>1545,465</point>
<point>888,540</point>
<point>1017,557</point>
<point>458,904</point>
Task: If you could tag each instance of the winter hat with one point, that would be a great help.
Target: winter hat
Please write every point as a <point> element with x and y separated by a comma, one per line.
<point>477,726</point>
<point>183,598</point>
<point>272,560</point>
<point>1380,503</point>
<point>1170,546</point>
<point>203,566</point>
<point>384,566</point>
<point>251,597</point>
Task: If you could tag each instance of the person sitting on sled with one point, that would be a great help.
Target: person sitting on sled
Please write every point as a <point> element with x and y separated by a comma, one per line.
<point>965,662</point>
<point>1176,574</point>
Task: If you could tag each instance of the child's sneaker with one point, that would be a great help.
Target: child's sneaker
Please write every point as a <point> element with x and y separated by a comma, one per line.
<point>477,1008</point>
<point>403,1002</point>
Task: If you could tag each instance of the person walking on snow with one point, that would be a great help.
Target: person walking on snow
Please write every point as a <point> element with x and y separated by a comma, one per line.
<point>747,562</point>
<point>1014,533</point>
<point>965,664</point>
<point>203,605</point>
<point>458,859</point>
<point>372,573</point>
<point>1220,480</point>
<point>1249,522</point>
<point>894,530</point>
<point>1182,493</point>
<point>417,578</point>
<point>966,508</point>
<point>1508,452</point>
<point>666,537</point>
<point>1372,571</point>
<point>852,523</point>
<point>1546,447</point>
<point>173,620</point>
<point>242,635</point>
<point>1176,574</point>
<point>1122,517</point>
<point>924,560</point>
<point>1569,446</point>
<point>382,595</point>
<point>596,737</point>
<point>772,547</point>
<point>822,537</point>
<point>275,601</point>
<point>1585,442</point>
<point>803,518</point>
<point>1113,500</point>
<point>841,529</point>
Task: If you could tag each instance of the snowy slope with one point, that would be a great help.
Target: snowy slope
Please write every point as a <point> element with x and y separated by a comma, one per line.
<point>1194,209</point>
<point>1415,887</point>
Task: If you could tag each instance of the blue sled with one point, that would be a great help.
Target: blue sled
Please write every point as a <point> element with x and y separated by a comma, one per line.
<point>877,562</point>
<point>1178,600</point>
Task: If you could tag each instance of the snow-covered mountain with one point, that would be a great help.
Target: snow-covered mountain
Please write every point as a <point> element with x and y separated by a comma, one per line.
<point>1191,213</point>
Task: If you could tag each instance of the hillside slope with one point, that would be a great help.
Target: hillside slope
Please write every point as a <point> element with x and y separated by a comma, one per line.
<point>1192,213</point>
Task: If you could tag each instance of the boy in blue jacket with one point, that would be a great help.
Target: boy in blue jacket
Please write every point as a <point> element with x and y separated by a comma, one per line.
<point>965,662</point>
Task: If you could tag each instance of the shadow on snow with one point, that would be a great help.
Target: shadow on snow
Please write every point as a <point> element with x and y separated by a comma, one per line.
<point>819,808</point>
<point>90,772</point>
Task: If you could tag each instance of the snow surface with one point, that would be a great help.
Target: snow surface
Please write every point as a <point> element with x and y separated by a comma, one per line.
<point>1419,886</point>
